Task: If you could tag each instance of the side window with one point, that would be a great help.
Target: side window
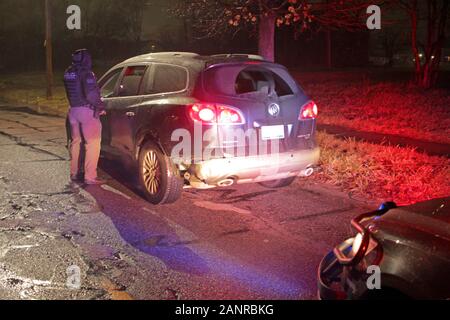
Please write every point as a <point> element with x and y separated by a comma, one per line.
<point>131,81</point>
<point>167,78</point>
<point>108,84</point>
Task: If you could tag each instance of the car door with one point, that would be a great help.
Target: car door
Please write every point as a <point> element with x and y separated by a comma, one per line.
<point>160,111</point>
<point>124,108</point>
<point>108,90</point>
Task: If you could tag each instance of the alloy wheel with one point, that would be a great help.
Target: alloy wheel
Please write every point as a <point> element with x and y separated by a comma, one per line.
<point>151,172</point>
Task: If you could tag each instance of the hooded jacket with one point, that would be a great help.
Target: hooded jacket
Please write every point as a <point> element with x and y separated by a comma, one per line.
<point>81,84</point>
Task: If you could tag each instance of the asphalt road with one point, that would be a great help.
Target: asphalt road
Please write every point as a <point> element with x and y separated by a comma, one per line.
<point>240,242</point>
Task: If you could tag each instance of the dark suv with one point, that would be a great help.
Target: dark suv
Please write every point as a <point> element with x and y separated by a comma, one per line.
<point>204,121</point>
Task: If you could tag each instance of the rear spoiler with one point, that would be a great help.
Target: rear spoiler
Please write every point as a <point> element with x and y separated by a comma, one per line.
<point>218,63</point>
<point>234,58</point>
<point>237,55</point>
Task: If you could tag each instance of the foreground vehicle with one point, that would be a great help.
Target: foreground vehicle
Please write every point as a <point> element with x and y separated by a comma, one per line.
<point>196,121</point>
<point>410,245</point>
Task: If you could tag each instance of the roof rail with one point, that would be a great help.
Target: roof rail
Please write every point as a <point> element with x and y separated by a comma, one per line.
<point>237,55</point>
<point>156,55</point>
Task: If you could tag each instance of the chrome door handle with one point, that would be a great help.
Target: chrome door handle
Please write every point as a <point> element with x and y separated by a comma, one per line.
<point>130,114</point>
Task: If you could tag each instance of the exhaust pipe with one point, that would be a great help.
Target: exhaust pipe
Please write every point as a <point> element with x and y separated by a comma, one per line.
<point>307,172</point>
<point>225,182</point>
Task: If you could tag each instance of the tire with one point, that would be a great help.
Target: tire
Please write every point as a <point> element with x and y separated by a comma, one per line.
<point>159,178</point>
<point>280,183</point>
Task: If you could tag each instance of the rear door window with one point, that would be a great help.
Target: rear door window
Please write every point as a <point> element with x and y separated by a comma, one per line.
<point>131,81</point>
<point>166,79</point>
<point>249,81</point>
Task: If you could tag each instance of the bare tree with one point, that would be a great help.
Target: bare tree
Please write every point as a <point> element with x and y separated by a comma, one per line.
<point>436,14</point>
<point>120,18</point>
<point>135,15</point>
<point>213,17</point>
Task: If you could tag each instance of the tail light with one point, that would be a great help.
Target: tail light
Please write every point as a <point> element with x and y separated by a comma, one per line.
<point>212,113</point>
<point>309,111</point>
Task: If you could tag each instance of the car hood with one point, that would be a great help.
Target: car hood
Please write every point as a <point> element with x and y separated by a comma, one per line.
<point>421,222</point>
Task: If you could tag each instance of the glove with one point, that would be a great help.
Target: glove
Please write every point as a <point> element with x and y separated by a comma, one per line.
<point>99,111</point>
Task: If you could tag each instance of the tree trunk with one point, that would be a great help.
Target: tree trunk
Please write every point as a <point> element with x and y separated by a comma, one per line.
<point>429,72</point>
<point>415,49</point>
<point>187,23</point>
<point>426,73</point>
<point>266,38</point>
<point>328,47</point>
<point>48,48</point>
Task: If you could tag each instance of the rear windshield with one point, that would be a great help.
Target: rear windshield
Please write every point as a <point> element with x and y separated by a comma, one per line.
<point>249,81</point>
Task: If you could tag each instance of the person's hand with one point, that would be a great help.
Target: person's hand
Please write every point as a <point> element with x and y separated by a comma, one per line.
<point>102,113</point>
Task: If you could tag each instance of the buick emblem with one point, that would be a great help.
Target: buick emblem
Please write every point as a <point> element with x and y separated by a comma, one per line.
<point>274,109</point>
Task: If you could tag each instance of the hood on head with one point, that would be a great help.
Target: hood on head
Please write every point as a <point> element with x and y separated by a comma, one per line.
<point>82,58</point>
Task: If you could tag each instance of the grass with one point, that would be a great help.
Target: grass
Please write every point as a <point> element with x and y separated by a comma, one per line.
<point>355,101</point>
<point>369,102</point>
<point>30,89</point>
<point>382,172</point>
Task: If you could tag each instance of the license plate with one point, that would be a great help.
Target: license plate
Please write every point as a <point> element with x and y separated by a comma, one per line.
<point>272,132</point>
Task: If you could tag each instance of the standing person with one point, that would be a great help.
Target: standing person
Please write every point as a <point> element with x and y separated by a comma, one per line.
<point>86,107</point>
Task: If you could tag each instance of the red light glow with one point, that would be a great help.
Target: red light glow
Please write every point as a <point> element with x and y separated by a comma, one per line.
<point>309,111</point>
<point>215,114</point>
<point>206,115</point>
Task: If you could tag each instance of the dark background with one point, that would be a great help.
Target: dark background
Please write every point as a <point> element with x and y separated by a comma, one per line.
<point>107,31</point>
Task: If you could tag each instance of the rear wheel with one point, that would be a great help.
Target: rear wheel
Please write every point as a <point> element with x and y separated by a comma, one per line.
<point>277,183</point>
<point>158,176</point>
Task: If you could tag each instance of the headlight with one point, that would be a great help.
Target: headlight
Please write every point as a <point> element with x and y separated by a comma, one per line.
<point>357,241</point>
<point>352,251</point>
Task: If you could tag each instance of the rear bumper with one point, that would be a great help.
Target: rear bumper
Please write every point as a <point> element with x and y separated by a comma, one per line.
<point>253,168</point>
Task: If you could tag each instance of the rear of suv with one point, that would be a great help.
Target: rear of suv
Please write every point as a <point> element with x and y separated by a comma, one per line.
<point>191,121</point>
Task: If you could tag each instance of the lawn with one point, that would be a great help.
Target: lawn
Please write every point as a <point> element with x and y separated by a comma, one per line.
<point>380,172</point>
<point>368,101</point>
<point>365,101</point>
<point>30,89</point>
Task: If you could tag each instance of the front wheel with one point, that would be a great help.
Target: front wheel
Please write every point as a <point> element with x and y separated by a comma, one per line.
<point>277,183</point>
<point>158,176</point>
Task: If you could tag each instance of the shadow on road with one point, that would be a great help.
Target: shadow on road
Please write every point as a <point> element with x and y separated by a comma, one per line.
<point>140,225</point>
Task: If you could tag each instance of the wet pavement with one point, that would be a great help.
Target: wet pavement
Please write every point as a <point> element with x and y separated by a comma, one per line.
<point>240,242</point>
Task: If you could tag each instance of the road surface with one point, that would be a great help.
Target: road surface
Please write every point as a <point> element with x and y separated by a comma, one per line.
<point>240,242</point>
